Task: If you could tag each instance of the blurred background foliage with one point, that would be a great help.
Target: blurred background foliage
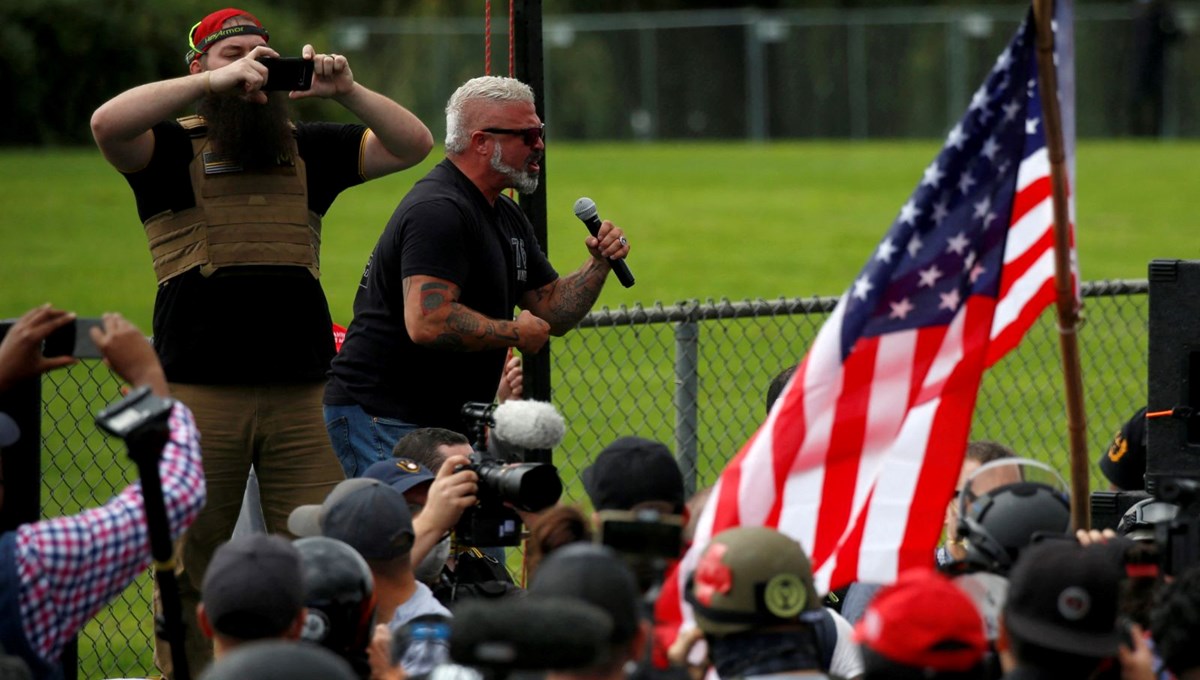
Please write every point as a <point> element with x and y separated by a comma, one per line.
<point>60,59</point>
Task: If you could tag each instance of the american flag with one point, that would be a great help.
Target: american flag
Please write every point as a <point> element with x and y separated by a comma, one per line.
<point>860,453</point>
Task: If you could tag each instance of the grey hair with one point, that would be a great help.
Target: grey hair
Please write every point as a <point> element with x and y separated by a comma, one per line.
<point>459,122</point>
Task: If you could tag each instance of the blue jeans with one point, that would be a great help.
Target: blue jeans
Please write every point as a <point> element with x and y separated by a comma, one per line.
<point>360,439</point>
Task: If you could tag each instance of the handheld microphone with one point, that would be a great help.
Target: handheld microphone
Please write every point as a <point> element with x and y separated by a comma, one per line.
<point>529,633</point>
<point>585,210</point>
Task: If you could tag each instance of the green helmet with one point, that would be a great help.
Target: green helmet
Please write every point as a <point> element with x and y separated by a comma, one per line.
<point>748,578</point>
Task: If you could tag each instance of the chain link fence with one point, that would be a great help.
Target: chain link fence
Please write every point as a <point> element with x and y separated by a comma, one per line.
<point>817,73</point>
<point>692,375</point>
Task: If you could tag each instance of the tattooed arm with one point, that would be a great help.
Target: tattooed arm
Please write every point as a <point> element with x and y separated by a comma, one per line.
<point>435,318</point>
<point>565,301</point>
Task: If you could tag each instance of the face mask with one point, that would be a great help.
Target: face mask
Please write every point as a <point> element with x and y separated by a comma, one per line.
<point>431,567</point>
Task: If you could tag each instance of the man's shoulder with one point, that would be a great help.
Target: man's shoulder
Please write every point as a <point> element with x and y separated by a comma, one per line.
<point>437,193</point>
<point>323,136</point>
<point>420,603</point>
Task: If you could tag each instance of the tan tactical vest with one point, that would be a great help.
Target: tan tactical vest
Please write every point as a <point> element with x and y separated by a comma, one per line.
<point>240,218</point>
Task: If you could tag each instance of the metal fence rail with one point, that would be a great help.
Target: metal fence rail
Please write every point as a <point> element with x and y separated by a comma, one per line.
<point>693,375</point>
<point>859,73</point>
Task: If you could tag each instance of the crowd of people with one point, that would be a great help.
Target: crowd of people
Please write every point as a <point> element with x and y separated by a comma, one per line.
<point>366,471</point>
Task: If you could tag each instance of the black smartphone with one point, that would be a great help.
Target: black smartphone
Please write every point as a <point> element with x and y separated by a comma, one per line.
<point>644,533</point>
<point>73,339</point>
<point>287,73</point>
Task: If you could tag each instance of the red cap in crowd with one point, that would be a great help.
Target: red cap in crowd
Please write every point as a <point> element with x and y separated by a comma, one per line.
<point>924,621</point>
<point>208,31</point>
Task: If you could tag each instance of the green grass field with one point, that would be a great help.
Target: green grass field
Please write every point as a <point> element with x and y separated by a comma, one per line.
<point>705,221</point>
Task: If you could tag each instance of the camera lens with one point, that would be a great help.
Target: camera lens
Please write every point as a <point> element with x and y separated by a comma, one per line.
<point>528,486</point>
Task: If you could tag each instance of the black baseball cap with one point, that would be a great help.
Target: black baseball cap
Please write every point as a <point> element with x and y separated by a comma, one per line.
<point>1124,461</point>
<point>634,470</point>
<point>366,513</point>
<point>1063,596</point>
<point>595,575</point>
<point>253,587</point>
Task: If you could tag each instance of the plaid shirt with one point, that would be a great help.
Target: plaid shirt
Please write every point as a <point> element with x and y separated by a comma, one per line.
<point>70,567</point>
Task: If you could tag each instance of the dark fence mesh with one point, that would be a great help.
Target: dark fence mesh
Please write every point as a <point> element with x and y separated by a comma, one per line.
<point>692,375</point>
<point>815,73</point>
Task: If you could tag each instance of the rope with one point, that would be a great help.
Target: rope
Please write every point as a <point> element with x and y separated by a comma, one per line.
<point>487,38</point>
<point>511,40</point>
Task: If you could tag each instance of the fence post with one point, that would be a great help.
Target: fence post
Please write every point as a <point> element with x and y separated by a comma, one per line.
<point>687,335</point>
<point>856,75</point>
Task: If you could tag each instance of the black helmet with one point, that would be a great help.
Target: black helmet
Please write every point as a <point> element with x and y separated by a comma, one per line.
<point>1007,505</point>
<point>340,595</point>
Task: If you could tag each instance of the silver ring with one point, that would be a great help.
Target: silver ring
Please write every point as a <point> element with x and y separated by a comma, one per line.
<point>623,241</point>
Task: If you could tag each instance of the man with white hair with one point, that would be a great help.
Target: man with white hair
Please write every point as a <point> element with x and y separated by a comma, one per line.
<point>433,313</point>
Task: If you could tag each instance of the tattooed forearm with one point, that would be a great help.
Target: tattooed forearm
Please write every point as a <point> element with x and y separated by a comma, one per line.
<point>464,322</point>
<point>435,318</point>
<point>433,296</point>
<point>450,341</point>
<point>572,297</point>
<point>505,330</point>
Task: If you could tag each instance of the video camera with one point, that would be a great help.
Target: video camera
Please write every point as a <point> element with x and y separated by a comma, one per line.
<point>647,540</point>
<point>529,487</point>
<point>1172,431</point>
<point>1178,540</point>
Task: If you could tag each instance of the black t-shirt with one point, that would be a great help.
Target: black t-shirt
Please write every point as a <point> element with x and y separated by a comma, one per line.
<point>250,324</point>
<point>444,228</point>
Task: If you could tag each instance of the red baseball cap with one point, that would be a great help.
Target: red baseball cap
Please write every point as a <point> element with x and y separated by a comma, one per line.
<point>208,31</point>
<point>924,621</point>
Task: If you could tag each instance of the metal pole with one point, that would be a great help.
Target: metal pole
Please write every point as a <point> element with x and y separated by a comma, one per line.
<point>528,57</point>
<point>956,65</point>
<point>756,82</point>
<point>1067,306</point>
<point>687,334</point>
<point>648,50</point>
<point>856,73</point>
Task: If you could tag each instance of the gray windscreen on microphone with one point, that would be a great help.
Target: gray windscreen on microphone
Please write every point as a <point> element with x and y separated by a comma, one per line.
<point>585,208</point>
<point>529,633</point>
<point>528,424</point>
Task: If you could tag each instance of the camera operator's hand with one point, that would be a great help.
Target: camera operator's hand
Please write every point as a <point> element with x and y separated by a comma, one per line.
<point>452,492</point>
<point>1137,662</point>
<point>379,656</point>
<point>331,75</point>
<point>680,652</point>
<point>129,354</point>
<point>21,351</point>
<point>1094,536</point>
<point>246,75</point>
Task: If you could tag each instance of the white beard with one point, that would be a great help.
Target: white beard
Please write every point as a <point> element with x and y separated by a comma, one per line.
<point>522,181</point>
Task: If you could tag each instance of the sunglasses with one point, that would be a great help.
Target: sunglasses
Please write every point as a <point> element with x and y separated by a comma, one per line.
<point>529,135</point>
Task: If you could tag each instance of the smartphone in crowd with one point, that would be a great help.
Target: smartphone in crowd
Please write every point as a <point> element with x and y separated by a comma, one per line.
<point>287,73</point>
<point>73,339</point>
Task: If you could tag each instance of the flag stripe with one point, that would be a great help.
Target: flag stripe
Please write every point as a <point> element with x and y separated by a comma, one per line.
<point>859,456</point>
<point>841,467</point>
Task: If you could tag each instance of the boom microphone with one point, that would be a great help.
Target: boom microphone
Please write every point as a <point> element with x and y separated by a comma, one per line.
<point>585,210</point>
<point>528,424</point>
<point>529,633</point>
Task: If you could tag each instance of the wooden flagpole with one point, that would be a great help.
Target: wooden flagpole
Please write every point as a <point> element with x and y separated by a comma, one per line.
<point>1067,306</point>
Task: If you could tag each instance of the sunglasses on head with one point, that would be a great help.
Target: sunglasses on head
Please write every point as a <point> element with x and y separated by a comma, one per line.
<point>529,135</point>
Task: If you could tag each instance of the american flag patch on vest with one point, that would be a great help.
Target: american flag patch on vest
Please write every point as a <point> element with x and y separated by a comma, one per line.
<point>219,163</point>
